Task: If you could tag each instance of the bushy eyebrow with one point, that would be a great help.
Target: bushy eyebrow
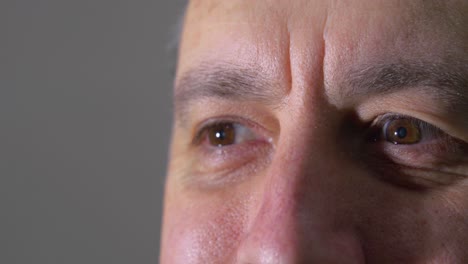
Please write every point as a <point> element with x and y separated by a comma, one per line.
<point>228,82</point>
<point>444,80</point>
<point>447,81</point>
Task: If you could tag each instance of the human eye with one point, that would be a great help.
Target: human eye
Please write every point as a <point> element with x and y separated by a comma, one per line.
<point>415,151</point>
<point>225,133</point>
<point>226,146</point>
<point>404,130</point>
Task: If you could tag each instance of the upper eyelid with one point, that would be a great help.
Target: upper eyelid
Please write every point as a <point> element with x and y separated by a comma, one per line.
<point>381,120</point>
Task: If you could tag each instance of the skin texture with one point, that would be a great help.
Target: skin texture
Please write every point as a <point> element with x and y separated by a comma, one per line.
<point>306,184</point>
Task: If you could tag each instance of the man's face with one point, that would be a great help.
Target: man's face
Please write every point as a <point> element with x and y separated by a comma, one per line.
<point>320,132</point>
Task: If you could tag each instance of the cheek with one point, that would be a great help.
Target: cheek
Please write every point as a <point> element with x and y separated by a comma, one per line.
<point>428,228</point>
<point>451,226</point>
<point>205,233</point>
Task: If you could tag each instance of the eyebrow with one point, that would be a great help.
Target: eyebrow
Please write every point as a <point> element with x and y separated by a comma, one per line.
<point>447,81</point>
<point>225,82</point>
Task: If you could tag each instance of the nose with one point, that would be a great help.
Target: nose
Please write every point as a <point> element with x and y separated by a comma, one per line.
<point>301,214</point>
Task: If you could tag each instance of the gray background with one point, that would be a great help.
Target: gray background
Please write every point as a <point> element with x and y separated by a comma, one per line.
<point>85,115</point>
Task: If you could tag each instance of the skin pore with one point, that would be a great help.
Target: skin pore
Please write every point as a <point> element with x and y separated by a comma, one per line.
<point>320,131</point>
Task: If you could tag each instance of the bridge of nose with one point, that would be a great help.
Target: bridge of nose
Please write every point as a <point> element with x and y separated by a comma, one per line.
<point>302,209</point>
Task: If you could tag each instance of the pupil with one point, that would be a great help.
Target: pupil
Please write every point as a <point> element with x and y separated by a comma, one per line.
<point>401,132</point>
<point>221,135</point>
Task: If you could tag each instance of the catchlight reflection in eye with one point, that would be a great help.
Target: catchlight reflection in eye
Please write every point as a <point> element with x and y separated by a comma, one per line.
<point>225,134</point>
<point>402,131</point>
<point>221,134</point>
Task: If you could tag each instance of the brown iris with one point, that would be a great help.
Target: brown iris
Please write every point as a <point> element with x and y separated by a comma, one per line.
<point>221,134</point>
<point>402,131</point>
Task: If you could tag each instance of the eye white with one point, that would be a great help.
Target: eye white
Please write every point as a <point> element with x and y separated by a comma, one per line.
<point>243,134</point>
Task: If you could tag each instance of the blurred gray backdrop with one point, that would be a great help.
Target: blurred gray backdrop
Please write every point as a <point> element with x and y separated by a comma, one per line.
<point>85,90</point>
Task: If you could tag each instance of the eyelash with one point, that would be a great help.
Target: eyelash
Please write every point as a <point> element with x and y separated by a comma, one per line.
<point>232,162</point>
<point>434,147</point>
<point>436,154</point>
<point>376,132</point>
<point>202,129</point>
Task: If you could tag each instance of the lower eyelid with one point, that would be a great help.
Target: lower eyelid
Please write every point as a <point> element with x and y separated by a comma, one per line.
<point>415,175</point>
<point>428,154</point>
<point>214,164</point>
<point>425,178</point>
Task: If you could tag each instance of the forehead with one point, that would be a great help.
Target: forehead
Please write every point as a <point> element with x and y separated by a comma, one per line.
<point>269,33</point>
